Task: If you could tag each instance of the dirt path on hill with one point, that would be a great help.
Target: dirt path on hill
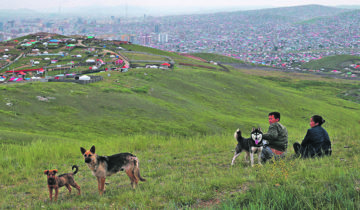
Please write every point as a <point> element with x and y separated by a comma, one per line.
<point>120,56</point>
<point>80,43</point>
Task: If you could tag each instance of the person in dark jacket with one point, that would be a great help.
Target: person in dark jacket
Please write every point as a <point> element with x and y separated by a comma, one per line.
<point>316,142</point>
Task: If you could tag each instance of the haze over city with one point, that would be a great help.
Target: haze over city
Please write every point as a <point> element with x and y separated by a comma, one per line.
<point>160,7</point>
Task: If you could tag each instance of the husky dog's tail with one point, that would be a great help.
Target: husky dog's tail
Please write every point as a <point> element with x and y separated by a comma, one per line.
<point>237,134</point>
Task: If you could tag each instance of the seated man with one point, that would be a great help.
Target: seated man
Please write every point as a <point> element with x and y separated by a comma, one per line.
<point>277,138</point>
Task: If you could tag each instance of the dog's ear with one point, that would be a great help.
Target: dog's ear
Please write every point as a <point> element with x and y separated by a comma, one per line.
<point>82,150</point>
<point>92,150</point>
<point>253,129</point>
<point>55,171</point>
<point>259,129</point>
<point>46,172</point>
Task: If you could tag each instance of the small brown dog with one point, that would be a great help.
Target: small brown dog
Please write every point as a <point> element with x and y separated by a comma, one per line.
<point>55,182</point>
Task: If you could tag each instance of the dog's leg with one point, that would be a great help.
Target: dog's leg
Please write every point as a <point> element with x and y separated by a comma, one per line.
<point>50,192</point>
<point>74,184</point>
<point>259,155</point>
<point>129,172</point>
<point>102,185</point>
<point>99,185</point>
<point>77,187</point>
<point>252,157</point>
<point>235,156</point>
<point>56,193</point>
<point>68,187</point>
<point>134,174</point>
<point>137,171</point>
<point>247,156</point>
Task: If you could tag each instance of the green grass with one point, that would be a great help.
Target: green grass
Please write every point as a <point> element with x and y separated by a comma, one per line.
<point>139,56</point>
<point>190,172</point>
<point>338,62</point>
<point>217,58</point>
<point>180,124</point>
<point>181,102</point>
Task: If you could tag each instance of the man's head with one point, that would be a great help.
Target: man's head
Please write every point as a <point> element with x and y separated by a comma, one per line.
<point>274,117</point>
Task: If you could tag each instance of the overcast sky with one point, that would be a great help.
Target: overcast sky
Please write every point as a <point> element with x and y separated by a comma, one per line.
<point>41,4</point>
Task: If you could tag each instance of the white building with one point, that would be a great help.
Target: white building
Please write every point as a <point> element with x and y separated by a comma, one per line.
<point>163,38</point>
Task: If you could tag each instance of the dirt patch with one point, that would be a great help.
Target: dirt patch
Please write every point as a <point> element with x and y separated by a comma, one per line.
<point>219,196</point>
<point>207,204</point>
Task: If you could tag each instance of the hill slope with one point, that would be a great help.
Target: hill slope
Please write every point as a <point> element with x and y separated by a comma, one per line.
<point>179,123</point>
<point>185,101</point>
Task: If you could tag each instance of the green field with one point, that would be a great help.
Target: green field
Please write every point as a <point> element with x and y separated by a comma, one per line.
<point>180,124</point>
<point>338,62</point>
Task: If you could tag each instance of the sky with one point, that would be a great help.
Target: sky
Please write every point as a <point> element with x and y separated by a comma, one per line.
<point>180,5</point>
<point>39,4</point>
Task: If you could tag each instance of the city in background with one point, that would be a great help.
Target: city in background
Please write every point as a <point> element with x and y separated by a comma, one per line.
<point>275,37</point>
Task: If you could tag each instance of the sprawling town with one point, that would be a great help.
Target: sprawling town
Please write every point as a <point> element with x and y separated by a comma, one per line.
<point>260,37</point>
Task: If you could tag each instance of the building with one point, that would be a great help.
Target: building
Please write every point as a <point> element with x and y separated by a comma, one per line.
<point>157,28</point>
<point>163,38</point>
<point>129,38</point>
<point>146,39</point>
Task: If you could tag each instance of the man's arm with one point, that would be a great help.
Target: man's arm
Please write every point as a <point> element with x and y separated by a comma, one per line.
<point>272,133</point>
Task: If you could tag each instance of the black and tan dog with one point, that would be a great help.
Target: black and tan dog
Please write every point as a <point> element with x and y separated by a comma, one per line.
<point>55,182</point>
<point>103,166</point>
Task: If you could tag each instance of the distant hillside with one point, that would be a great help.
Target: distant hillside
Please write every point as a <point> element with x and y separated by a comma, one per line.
<point>300,12</point>
<point>338,62</point>
<point>275,15</point>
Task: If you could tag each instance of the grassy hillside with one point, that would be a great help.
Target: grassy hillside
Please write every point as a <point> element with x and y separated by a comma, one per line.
<point>180,124</point>
<point>338,62</point>
<point>182,102</point>
<point>217,58</point>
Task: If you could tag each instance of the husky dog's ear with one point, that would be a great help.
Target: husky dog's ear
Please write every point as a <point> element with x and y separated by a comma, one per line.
<point>82,150</point>
<point>259,129</point>
<point>92,150</point>
<point>252,129</point>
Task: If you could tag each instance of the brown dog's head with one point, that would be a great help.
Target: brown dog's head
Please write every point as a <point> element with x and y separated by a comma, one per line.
<point>89,155</point>
<point>51,175</point>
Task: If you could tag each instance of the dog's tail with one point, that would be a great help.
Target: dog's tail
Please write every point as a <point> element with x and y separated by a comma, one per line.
<point>137,170</point>
<point>237,134</point>
<point>76,167</point>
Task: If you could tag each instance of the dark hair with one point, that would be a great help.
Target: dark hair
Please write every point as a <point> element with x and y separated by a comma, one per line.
<point>318,119</point>
<point>276,115</point>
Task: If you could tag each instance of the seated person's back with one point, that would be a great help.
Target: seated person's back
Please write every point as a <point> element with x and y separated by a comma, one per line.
<point>316,141</point>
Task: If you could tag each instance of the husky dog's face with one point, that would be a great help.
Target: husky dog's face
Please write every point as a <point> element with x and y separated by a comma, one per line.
<point>256,135</point>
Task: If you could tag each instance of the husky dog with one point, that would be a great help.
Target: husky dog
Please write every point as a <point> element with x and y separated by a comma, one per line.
<point>251,145</point>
